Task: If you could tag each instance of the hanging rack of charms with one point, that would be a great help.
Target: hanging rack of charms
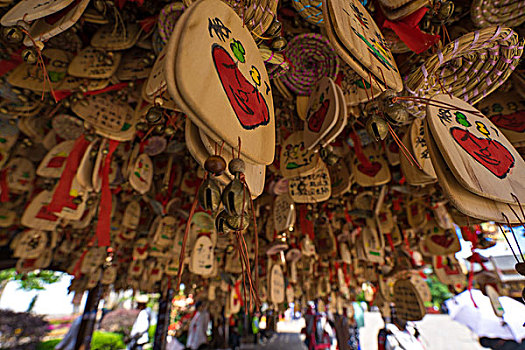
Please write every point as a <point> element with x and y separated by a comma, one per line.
<point>248,148</point>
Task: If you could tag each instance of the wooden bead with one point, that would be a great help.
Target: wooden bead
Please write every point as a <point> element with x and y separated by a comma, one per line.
<point>215,165</point>
<point>236,166</point>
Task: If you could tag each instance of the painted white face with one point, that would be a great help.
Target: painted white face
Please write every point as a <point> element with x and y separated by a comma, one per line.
<point>202,257</point>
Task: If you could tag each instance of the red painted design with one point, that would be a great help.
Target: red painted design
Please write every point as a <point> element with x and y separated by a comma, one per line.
<point>489,153</point>
<point>247,102</point>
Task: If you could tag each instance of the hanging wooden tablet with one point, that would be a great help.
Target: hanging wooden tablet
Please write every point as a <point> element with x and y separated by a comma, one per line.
<point>442,217</point>
<point>53,163</point>
<point>8,134</point>
<point>477,153</point>
<point>311,188</point>
<point>73,211</point>
<point>465,201</point>
<point>133,66</point>
<point>409,305</point>
<point>340,179</point>
<point>91,63</point>
<point>448,271</point>
<point>202,257</point>
<point>506,110</point>
<point>92,260</point>
<point>357,39</point>
<point>283,213</point>
<point>416,213</point>
<point>131,216</point>
<point>20,175</point>
<point>276,284</point>
<point>36,214</point>
<point>236,85</point>
<point>110,117</point>
<point>440,241</point>
<point>142,174</point>
<point>140,249</point>
<point>322,113</point>
<point>422,287</point>
<point>344,253</point>
<point>494,300</point>
<point>44,29</point>
<point>301,106</point>
<point>109,275</point>
<point>31,10</point>
<point>107,38</point>
<point>419,147</point>
<point>296,159</point>
<point>373,243</point>
<point>27,76</point>
<point>374,174</point>
<point>31,244</point>
<point>307,246</point>
<point>341,121</point>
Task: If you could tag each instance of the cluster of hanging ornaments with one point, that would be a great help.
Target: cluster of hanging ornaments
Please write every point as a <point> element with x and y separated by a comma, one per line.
<point>305,130</point>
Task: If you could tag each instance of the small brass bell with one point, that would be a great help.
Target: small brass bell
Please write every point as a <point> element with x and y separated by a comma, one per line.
<point>232,197</point>
<point>274,29</point>
<point>141,126</point>
<point>279,44</point>
<point>13,35</point>
<point>372,108</point>
<point>397,114</point>
<point>235,191</point>
<point>30,56</point>
<point>209,195</point>
<point>154,115</point>
<point>233,222</point>
<point>445,10</point>
<point>220,223</point>
<point>377,128</point>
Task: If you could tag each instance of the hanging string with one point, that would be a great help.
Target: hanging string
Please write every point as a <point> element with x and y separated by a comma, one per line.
<point>430,102</point>
<point>186,233</point>
<point>42,65</point>
<point>366,90</point>
<point>403,148</point>
<point>521,208</point>
<point>512,231</point>
<point>508,242</point>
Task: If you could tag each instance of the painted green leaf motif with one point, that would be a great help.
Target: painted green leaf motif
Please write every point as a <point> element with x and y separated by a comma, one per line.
<point>462,119</point>
<point>238,50</point>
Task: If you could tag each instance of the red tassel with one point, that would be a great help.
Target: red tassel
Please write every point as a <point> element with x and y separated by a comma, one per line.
<point>61,196</point>
<point>104,210</point>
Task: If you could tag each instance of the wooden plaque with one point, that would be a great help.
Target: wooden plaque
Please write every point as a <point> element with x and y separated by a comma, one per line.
<point>202,257</point>
<point>213,44</point>
<point>311,188</point>
<point>478,154</point>
<point>283,212</point>
<point>409,304</point>
<point>322,112</point>
<point>296,159</point>
<point>276,284</point>
<point>358,34</point>
<point>55,160</point>
<point>90,64</point>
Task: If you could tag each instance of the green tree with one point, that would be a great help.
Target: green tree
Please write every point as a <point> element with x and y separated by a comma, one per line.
<point>35,280</point>
<point>438,290</point>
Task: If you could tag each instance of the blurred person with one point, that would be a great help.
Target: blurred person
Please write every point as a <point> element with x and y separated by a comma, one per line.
<point>255,328</point>
<point>139,332</point>
<point>397,336</point>
<point>197,338</point>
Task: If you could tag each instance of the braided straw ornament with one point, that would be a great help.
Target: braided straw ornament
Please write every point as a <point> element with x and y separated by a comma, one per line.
<point>311,57</point>
<point>471,67</point>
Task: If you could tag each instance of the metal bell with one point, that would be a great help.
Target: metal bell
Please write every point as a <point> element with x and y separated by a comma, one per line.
<point>232,197</point>
<point>30,56</point>
<point>279,44</point>
<point>372,108</point>
<point>397,114</point>
<point>13,35</point>
<point>209,195</point>
<point>220,223</point>
<point>233,222</point>
<point>154,115</point>
<point>377,128</point>
<point>445,10</point>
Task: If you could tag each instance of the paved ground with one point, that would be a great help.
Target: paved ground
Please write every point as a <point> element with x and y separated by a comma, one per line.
<point>438,332</point>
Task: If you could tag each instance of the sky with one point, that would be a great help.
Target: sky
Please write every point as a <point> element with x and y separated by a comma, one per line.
<point>54,300</point>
